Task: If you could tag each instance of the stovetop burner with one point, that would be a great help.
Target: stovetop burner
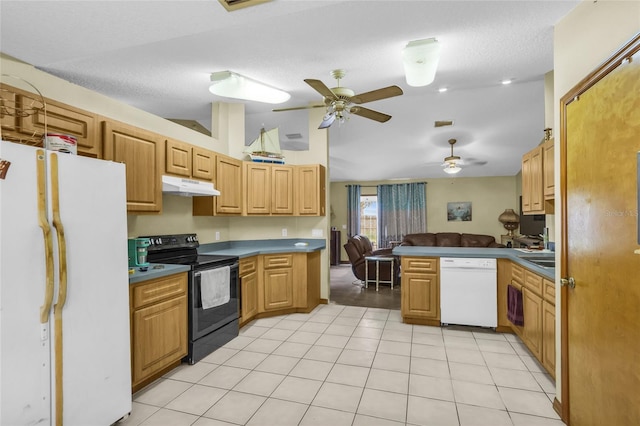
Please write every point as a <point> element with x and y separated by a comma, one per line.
<point>182,249</point>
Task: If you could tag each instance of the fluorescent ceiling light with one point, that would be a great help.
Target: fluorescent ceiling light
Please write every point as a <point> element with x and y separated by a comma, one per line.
<point>442,89</point>
<point>507,81</point>
<point>420,59</point>
<point>232,85</point>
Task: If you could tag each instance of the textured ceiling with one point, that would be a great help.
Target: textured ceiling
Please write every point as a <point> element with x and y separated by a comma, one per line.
<point>158,55</point>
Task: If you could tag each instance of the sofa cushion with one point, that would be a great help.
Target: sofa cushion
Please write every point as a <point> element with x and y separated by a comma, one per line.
<point>424,239</point>
<point>448,239</point>
<point>476,240</point>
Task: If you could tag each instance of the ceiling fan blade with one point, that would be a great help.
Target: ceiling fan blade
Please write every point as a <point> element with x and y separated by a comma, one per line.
<point>321,88</point>
<point>296,108</point>
<point>369,113</point>
<point>327,121</point>
<point>375,95</point>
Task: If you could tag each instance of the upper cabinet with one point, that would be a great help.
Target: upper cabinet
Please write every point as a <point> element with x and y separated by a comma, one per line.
<point>183,159</point>
<point>60,118</point>
<point>268,189</point>
<point>143,154</point>
<point>310,192</point>
<point>228,180</point>
<point>534,186</point>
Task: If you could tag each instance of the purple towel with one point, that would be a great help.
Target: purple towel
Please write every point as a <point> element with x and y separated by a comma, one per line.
<point>514,305</point>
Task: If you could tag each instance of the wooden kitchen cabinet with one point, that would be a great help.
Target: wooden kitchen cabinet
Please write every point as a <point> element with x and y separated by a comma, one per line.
<point>143,154</point>
<point>228,180</point>
<point>159,327</point>
<point>60,118</point>
<point>277,283</point>
<point>532,309</point>
<point>548,166</point>
<point>183,159</point>
<point>268,189</point>
<point>248,289</point>
<point>420,295</point>
<point>549,337</point>
<point>537,180</point>
<point>310,192</point>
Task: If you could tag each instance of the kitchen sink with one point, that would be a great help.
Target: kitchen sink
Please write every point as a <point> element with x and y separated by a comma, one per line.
<point>545,262</point>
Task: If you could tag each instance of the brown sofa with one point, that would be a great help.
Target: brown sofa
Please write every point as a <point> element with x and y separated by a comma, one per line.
<point>358,247</point>
<point>450,239</point>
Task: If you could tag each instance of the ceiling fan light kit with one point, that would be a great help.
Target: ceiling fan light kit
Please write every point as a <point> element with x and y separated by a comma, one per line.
<point>453,162</point>
<point>233,85</point>
<point>420,59</point>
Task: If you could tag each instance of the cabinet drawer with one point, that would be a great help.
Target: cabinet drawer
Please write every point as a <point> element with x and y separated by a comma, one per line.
<point>420,264</point>
<point>533,282</point>
<point>247,266</point>
<point>159,289</point>
<point>549,291</point>
<point>278,261</point>
<point>517,273</point>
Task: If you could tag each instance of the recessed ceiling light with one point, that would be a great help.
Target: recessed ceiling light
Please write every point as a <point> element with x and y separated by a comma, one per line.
<point>507,81</point>
<point>442,89</point>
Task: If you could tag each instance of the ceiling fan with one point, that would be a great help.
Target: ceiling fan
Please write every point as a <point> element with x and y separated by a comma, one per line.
<point>341,101</point>
<point>452,164</point>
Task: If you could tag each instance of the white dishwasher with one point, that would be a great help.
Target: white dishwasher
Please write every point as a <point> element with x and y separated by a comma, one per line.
<point>468,293</point>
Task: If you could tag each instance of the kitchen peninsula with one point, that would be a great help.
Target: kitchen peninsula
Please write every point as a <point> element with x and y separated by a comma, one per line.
<point>420,291</point>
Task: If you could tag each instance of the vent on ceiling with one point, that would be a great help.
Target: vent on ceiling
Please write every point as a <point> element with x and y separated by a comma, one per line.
<point>293,136</point>
<point>232,5</point>
<point>443,123</point>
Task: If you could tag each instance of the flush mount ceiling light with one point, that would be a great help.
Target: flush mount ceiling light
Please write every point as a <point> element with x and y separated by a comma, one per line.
<point>420,59</point>
<point>233,85</point>
<point>452,163</point>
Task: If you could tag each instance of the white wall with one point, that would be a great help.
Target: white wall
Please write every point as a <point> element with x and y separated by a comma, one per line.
<point>583,40</point>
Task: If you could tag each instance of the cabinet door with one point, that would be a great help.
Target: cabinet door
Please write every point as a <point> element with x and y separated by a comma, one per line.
<point>202,163</point>
<point>278,288</point>
<point>420,298</point>
<point>526,183</point>
<point>229,183</point>
<point>178,158</point>
<point>549,337</point>
<point>532,309</point>
<point>311,191</point>
<point>548,170</point>
<point>537,194</point>
<point>257,184</point>
<point>159,335</point>
<point>142,153</point>
<point>282,190</point>
<point>249,299</point>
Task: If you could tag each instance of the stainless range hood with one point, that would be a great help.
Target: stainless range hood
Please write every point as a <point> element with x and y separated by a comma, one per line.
<point>187,187</point>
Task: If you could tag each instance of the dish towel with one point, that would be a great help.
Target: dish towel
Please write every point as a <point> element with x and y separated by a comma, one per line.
<point>514,306</point>
<point>214,287</point>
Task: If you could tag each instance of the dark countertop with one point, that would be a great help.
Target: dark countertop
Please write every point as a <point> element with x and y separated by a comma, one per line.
<point>518,256</point>
<point>233,248</point>
<point>155,270</point>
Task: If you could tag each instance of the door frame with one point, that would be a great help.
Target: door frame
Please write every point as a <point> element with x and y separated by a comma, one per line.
<point>613,62</point>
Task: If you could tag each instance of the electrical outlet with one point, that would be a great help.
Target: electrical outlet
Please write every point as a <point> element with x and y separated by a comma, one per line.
<point>316,232</point>
<point>344,226</point>
<point>217,235</point>
<point>284,232</point>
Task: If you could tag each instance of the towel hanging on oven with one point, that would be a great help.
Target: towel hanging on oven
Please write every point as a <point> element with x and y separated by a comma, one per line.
<point>215,289</point>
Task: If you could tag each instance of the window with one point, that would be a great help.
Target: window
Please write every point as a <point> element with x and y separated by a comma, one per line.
<point>369,218</point>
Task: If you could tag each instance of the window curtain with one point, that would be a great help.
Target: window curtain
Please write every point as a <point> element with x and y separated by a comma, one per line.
<point>402,210</point>
<point>353,210</point>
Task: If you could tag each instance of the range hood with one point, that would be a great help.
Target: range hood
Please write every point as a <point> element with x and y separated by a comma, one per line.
<point>187,187</point>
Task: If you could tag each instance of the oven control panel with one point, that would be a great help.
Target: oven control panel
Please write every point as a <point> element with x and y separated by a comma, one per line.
<point>169,242</point>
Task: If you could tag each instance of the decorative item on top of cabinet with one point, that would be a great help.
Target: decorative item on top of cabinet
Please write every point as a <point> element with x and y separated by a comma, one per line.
<point>142,152</point>
<point>183,159</point>
<point>159,327</point>
<point>268,189</point>
<point>420,291</point>
<point>310,195</point>
<point>228,181</point>
<point>60,118</point>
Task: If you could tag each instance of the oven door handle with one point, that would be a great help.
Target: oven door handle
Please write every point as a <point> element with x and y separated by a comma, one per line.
<point>232,267</point>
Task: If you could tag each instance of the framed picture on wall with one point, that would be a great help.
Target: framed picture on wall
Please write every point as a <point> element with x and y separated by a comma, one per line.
<point>459,211</point>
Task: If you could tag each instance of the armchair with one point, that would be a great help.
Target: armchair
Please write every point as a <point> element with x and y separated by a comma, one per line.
<point>358,247</point>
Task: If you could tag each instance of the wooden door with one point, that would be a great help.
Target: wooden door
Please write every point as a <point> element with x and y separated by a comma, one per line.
<point>282,190</point>
<point>278,288</point>
<point>600,141</point>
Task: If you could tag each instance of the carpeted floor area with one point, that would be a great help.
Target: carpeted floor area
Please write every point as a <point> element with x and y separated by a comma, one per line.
<point>345,292</point>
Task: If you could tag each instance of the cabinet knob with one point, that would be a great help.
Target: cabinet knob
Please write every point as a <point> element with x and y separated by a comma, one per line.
<point>570,282</point>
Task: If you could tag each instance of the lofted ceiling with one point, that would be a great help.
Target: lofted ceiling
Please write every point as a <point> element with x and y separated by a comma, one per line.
<point>158,56</point>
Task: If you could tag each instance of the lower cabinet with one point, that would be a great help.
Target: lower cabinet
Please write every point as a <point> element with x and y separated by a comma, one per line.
<point>248,288</point>
<point>532,309</point>
<point>277,285</point>
<point>159,326</point>
<point>420,291</point>
<point>549,337</point>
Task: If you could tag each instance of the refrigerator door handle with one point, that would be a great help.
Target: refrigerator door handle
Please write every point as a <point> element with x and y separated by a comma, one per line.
<point>46,231</point>
<point>62,288</point>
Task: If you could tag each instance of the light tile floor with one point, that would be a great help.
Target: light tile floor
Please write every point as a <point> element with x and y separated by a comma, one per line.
<point>347,365</point>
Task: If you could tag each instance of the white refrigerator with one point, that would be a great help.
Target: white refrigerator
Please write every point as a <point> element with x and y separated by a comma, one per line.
<point>63,360</point>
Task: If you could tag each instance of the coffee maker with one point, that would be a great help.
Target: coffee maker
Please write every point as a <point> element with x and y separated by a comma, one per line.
<point>138,252</point>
